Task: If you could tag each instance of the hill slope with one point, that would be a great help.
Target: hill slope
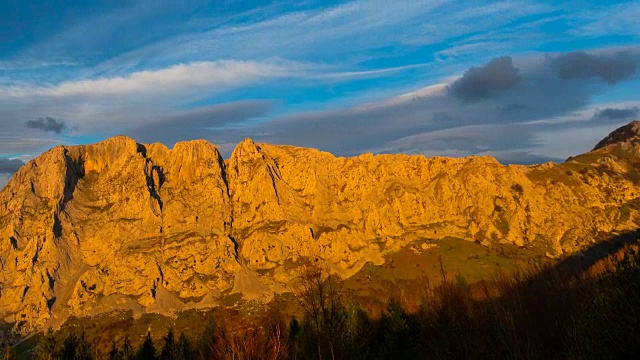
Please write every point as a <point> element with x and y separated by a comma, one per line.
<point>122,225</point>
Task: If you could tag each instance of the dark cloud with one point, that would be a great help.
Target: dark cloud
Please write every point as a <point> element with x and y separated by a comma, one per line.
<point>479,83</point>
<point>47,124</point>
<point>616,114</point>
<point>531,92</point>
<point>513,93</point>
<point>10,165</point>
<point>609,68</point>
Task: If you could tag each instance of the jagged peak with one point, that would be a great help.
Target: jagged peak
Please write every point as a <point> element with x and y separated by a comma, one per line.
<point>244,148</point>
<point>621,134</point>
<point>246,142</point>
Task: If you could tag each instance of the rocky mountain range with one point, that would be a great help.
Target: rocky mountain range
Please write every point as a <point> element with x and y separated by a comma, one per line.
<point>123,225</point>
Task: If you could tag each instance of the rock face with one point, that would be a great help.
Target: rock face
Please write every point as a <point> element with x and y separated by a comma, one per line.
<point>122,225</point>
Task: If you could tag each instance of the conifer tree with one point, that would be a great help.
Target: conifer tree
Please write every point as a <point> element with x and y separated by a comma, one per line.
<point>126,353</point>
<point>69,347</point>
<point>114,353</point>
<point>147,350</point>
<point>169,351</point>
<point>83,348</point>
<point>207,340</point>
<point>185,352</point>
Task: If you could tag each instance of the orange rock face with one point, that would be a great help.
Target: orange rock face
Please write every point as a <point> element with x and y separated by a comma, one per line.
<point>122,225</point>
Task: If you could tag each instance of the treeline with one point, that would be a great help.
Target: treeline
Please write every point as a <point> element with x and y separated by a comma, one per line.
<point>551,313</point>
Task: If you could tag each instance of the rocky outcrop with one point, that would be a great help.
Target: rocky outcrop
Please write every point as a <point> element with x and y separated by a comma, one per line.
<point>122,225</point>
<point>628,133</point>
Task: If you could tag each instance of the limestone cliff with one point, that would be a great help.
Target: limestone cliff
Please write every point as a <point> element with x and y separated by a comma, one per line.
<point>122,225</point>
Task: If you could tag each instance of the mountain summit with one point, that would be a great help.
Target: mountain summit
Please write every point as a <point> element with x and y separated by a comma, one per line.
<point>627,133</point>
<point>123,225</point>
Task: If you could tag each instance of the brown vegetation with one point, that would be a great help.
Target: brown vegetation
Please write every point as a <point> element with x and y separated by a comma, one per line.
<point>578,309</point>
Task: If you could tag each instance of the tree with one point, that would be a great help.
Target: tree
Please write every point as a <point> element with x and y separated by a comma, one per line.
<point>69,347</point>
<point>357,333</point>
<point>170,350</point>
<point>83,348</point>
<point>294,333</point>
<point>207,339</point>
<point>48,347</point>
<point>126,353</point>
<point>319,296</point>
<point>147,350</point>
<point>185,352</point>
<point>6,351</point>
<point>114,353</point>
<point>76,348</point>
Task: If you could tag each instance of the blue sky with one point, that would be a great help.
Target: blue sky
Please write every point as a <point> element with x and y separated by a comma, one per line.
<point>522,81</point>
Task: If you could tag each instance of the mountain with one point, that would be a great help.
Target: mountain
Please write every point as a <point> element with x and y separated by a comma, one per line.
<point>122,225</point>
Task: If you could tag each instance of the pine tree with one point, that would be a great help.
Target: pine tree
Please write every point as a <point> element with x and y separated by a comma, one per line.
<point>114,353</point>
<point>83,348</point>
<point>126,353</point>
<point>185,352</point>
<point>48,347</point>
<point>69,347</point>
<point>207,340</point>
<point>147,350</point>
<point>169,351</point>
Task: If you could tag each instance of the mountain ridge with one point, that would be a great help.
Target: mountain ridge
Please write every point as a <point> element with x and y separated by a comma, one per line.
<point>123,225</point>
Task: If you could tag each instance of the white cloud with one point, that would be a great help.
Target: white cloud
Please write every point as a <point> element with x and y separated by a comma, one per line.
<point>213,76</point>
<point>108,104</point>
<point>432,120</point>
<point>185,65</point>
<point>620,19</point>
<point>340,33</point>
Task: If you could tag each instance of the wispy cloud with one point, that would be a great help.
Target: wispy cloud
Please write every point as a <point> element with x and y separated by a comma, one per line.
<point>348,77</point>
<point>215,76</point>
<point>342,33</point>
<point>501,120</point>
<point>604,19</point>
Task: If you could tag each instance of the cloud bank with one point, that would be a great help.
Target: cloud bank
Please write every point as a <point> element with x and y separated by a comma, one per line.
<point>497,109</point>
